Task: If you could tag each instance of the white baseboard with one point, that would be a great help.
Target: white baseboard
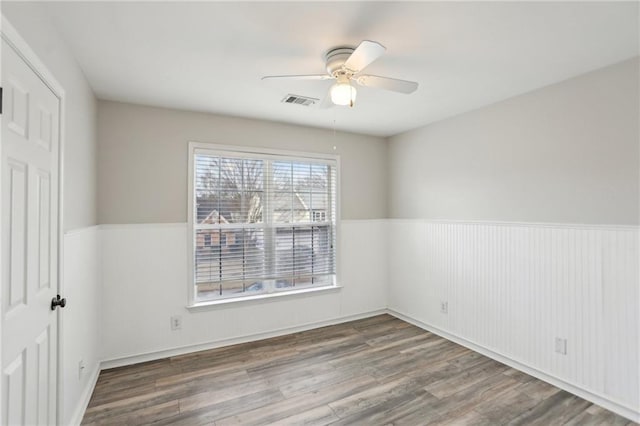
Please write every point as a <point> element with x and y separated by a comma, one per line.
<point>152,356</point>
<point>78,414</point>
<point>601,400</point>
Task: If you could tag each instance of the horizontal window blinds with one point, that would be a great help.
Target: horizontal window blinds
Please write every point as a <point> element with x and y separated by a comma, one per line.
<point>262,223</point>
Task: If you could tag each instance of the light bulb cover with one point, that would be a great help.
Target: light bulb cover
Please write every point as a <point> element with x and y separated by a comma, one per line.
<point>343,94</point>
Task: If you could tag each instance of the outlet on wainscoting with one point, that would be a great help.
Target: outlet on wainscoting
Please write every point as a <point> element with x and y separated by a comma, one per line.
<point>80,369</point>
<point>561,346</point>
<point>444,307</point>
<point>176,322</point>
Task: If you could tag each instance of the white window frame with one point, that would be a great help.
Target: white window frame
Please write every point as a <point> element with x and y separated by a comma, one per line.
<point>232,150</point>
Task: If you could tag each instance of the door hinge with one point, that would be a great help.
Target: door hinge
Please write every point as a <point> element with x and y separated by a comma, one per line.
<point>1,99</point>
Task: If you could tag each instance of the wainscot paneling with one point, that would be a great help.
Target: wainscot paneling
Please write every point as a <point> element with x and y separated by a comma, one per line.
<point>79,320</point>
<point>514,288</point>
<point>145,283</point>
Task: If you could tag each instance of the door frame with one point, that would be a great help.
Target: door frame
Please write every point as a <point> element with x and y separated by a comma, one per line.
<point>10,35</point>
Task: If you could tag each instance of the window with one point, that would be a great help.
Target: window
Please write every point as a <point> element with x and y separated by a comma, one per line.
<point>261,223</point>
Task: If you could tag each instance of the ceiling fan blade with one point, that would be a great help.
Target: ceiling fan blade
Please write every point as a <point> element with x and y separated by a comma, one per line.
<point>386,83</point>
<point>298,77</point>
<point>365,54</point>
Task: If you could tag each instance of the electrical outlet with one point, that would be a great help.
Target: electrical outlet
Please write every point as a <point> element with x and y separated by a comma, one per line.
<point>444,307</point>
<point>176,322</point>
<point>561,346</point>
<point>80,369</point>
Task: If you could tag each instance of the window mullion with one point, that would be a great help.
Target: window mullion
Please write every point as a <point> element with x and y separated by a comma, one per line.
<point>269,237</point>
<point>331,215</point>
<point>219,231</point>
<point>244,220</point>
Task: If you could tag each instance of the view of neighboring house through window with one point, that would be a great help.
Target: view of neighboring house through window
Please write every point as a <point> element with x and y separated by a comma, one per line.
<point>262,223</point>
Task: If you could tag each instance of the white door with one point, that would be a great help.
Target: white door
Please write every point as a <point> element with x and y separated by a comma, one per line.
<point>29,181</point>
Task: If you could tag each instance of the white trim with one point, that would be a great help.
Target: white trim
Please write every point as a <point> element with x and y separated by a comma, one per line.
<point>81,408</point>
<point>231,149</point>
<point>181,350</point>
<point>191,296</point>
<point>22,48</point>
<point>385,220</point>
<point>118,226</point>
<point>83,403</point>
<point>356,221</point>
<point>262,297</point>
<point>123,226</point>
<point>81,230</point>
<point>522,224</point>
<point>241,154</point>
<point>602,400</point>
<point>11,36</point>
<point>338,242</point>
<point>268,154</point>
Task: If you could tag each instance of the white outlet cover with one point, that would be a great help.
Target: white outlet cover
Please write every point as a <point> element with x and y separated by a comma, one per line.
<point>561,346</point>
<point>176,322</point>
<point>80,368</point>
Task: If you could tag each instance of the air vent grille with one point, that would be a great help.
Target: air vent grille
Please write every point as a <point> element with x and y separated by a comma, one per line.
<point>299,100</point>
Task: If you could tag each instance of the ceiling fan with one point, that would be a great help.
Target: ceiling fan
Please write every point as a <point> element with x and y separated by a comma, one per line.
<point>345,64</point>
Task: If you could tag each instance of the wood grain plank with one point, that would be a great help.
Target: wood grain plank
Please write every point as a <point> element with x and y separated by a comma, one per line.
<point>291,406</point>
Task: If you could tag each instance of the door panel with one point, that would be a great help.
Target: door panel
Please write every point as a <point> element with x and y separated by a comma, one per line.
<point>44,229</point>
<point>14,390</point>
<point>16,267</point>
<point>17,107</point>
<point>29,182</point>
<point>43,374</point>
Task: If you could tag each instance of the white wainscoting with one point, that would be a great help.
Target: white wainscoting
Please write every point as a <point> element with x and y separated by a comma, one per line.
<point>145,283</point>
<point>511,290</point>
<point>80,321</point>
<point>514,288</point>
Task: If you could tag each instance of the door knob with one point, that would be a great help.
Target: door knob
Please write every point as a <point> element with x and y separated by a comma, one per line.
<point>56,301</point>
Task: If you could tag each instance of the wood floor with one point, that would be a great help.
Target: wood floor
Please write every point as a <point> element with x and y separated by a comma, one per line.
<point>376,371</point>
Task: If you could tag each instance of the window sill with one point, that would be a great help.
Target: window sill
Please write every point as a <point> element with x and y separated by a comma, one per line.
<point>260,297</point>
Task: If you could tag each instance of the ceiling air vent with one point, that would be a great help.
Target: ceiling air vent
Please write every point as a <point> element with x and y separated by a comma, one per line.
<point>299,100</point>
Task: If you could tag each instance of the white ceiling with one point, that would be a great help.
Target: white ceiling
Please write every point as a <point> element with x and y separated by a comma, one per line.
<point>209,56</point>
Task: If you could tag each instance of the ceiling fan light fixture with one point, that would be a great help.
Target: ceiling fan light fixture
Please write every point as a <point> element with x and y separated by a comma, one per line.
<point>345,64</point>
<point>343,93</point>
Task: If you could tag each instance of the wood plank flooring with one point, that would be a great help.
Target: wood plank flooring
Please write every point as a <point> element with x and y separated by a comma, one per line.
<point>375,371</point>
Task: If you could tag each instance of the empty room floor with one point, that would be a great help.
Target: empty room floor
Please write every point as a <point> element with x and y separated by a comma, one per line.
<point>378,370</point>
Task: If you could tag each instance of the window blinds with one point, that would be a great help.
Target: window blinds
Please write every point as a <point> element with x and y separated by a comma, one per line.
<point>262,223</point>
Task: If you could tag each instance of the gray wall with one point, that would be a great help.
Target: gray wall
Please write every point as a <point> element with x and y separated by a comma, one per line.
<point>142,170</point>
<point>35,27</point>
<point>566,153</point>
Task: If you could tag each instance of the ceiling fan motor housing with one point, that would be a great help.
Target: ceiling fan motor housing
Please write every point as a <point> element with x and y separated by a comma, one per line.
<point>335,59</point>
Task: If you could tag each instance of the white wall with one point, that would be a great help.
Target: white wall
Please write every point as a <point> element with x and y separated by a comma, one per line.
<point>145,283</point>
<point>80,319</point>
<point>79,323</point>
<point>468,196</point>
